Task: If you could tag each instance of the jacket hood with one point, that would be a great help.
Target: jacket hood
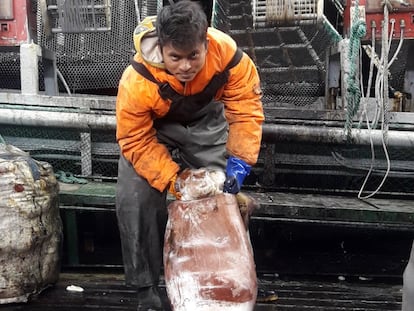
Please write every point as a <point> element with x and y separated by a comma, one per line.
<point>146,42</point>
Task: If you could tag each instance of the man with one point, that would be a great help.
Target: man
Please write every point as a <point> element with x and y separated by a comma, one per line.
<point>189,99</point>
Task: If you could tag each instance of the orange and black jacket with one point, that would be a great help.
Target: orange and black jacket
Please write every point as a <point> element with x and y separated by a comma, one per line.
<point>139,103</point>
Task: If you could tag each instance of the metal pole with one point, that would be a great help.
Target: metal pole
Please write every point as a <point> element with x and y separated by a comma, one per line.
<point>271,132</point>
<point>332,135</point>
<point>75,120</point>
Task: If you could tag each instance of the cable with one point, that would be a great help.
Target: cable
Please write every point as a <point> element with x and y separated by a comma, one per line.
<point>371,168</point>
<point>387,38</point>
<point>397,51</point>
<point>381,91</point>
<point>59,74</point>
<point>371,65</point>
<point>137,12</point>
<point>370,75</point>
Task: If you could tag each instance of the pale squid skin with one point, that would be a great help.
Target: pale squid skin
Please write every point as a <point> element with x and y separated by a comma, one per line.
<point>208,258</point>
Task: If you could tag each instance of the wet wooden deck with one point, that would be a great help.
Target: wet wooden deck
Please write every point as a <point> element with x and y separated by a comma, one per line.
<point>106,291</point>
<point>315,281</point>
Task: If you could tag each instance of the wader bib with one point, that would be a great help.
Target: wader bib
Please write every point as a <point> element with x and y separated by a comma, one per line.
<point>195,132</point>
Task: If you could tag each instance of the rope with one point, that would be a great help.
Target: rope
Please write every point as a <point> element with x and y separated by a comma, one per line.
<point>387,44</point>
<point>332,32</point>
<point>353,92</point>
<point>381,93</point>
<point>69,178</point>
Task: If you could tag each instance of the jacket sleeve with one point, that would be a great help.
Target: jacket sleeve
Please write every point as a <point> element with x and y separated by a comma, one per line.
<point>244,111</point>
<point>136,135</point>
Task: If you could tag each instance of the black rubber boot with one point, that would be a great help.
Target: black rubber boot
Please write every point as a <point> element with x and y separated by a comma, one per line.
<point>149,299</point>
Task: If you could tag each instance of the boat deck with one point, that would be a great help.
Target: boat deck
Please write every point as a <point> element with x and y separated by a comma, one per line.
<point>106,291</point>
<point>361,277</point>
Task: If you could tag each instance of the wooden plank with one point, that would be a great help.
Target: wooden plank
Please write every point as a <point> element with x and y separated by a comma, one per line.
<point>89,194</point>
<point>331,294</point>
<point>330,207</point>
<point>106,291</point>
<point>297,206</point>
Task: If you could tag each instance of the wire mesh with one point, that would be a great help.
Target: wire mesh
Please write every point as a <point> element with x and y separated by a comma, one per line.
<point>90,62</point>
<point>62,148</point>
<point>87,60</point>
<point>291,60</point>
<point>93,60</point>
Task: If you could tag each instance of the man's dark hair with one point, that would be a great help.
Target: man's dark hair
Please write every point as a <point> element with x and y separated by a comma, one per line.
<point>183,24</point>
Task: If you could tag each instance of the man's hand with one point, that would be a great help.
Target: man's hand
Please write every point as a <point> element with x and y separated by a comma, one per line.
<point>236,172</point>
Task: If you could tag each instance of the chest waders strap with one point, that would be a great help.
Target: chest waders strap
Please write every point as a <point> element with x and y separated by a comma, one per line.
<point>207,94</point>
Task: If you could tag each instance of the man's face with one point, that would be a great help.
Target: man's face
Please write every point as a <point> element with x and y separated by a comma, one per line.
<point>184,64</point>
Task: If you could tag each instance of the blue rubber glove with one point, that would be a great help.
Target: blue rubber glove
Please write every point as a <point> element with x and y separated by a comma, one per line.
<point>236,172</point>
